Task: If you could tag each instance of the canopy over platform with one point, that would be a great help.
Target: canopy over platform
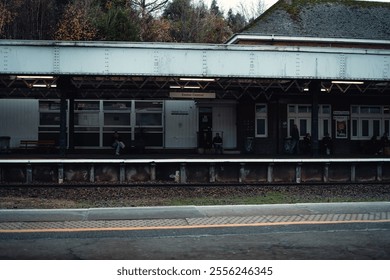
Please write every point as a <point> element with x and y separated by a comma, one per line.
<point>132,70</point>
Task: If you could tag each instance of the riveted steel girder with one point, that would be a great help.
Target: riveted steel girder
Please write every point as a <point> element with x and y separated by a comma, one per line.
<point>192,60</point>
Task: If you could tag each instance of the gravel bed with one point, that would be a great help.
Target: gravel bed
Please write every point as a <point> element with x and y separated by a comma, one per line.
<point>120,196</point>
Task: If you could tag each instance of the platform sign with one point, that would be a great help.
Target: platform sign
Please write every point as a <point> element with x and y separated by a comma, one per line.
<point>192,95</point>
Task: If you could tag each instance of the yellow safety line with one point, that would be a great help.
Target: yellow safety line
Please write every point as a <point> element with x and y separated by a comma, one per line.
<point>186,227</point>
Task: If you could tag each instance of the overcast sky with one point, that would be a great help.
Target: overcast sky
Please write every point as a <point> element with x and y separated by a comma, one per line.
<point>225,5</point>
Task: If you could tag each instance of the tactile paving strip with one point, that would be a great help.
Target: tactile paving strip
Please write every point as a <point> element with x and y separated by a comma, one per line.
<point>189,222</point>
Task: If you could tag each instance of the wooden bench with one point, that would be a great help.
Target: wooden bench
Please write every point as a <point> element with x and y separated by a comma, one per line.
<point>46,145</point>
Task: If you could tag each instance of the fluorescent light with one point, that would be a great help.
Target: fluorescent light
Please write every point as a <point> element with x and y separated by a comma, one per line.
<point>35,77</point>
<point>348,82</point>
<point>198,79</point>
<point>44,86</point>
<point>185,87</point>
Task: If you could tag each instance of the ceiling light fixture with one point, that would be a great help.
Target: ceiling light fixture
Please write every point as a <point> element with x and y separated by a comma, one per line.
<point>36,77</point>
<point>185,87</point>
<point>348,82</point>
<point>44,86</point>
<point>198,79</point>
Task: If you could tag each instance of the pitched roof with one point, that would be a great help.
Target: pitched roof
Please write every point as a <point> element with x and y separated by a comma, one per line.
<point>324,18</point>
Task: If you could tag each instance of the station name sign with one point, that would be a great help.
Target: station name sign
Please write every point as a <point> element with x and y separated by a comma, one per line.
<point>192,95</point>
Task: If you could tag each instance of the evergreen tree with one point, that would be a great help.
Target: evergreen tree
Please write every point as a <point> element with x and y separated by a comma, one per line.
<point>214,9</point>
<point>236,21</point>
<point>118,22</point>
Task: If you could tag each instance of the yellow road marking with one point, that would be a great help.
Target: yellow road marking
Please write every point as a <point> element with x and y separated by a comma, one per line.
<point>48,230</point>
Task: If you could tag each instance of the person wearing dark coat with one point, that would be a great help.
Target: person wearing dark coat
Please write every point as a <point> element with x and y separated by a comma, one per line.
<point>295,139</point>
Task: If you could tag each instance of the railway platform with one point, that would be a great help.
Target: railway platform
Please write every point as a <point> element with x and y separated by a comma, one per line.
<point>147,218</point>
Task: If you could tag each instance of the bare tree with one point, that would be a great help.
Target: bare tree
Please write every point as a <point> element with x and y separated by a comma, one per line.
<point>253,10</point>
<point>31,19</point>
<point>146,10</point>
<point>75,24</point>
<point>5,17</point>
<point>148,7</point>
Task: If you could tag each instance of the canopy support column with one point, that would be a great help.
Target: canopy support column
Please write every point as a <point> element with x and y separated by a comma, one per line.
<point>315,90</point>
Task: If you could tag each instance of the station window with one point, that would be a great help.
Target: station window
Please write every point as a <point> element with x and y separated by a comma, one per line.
<point>148,113</point>
<point>117,117</point>
<point>149,123</point>
<point>87,123</point>
<point>96,121</point>
<point>49,119</point>
<point>261,120</point>
<point>368,121</point>
<point>300,114</point>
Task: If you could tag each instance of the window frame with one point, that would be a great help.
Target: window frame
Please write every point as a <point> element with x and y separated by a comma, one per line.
<point>365,118</point>
<point>261,116</point>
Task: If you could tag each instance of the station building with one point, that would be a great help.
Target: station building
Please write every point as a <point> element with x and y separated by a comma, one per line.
<point>183,112</point>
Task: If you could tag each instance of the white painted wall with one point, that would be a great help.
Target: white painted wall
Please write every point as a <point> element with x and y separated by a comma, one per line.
<point>181,120</point>
<point>224,120</point>
<point>19,119</point>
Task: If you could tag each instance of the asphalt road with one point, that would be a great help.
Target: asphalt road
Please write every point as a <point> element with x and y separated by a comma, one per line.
<point>348,241</point>
<point>345,231</point>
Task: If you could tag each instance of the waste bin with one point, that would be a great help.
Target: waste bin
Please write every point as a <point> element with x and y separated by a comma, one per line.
<point>4,144</point>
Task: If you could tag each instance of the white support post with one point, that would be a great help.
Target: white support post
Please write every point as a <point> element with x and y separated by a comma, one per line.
<point>270,173</point>
<point>122,173</point>
<point>29,177</point>
<point>92,173</point>
<point>153,171</point>
<point>298,173</point>
<point>326,173</point>
<point>379,172</point>
<point>183,173</point>
<point>212,172</point>
<point>242,177</point>
<point>353,172</point>
<point>60,173</point>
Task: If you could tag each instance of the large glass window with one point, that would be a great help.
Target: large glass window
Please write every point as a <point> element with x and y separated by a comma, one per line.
<point>49,119</point>
<point>149,123</point>
<point>303,127</point>
<point>117,117</point>
<point>96,121</point>
<point>148,113</point>
<point>87,123</point>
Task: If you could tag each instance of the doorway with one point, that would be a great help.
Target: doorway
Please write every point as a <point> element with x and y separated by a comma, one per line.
<point>205,127</point>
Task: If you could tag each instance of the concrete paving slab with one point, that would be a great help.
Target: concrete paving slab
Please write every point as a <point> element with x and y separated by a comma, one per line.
<point>153,217</point>
<point>136,213</point>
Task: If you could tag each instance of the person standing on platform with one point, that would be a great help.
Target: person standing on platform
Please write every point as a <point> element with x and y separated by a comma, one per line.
<point>307,144</point>
<point>327,144</point>
<point>295,139</point>
<point>217,143</point>
<point>385,144</point>
<point>117,144</point>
